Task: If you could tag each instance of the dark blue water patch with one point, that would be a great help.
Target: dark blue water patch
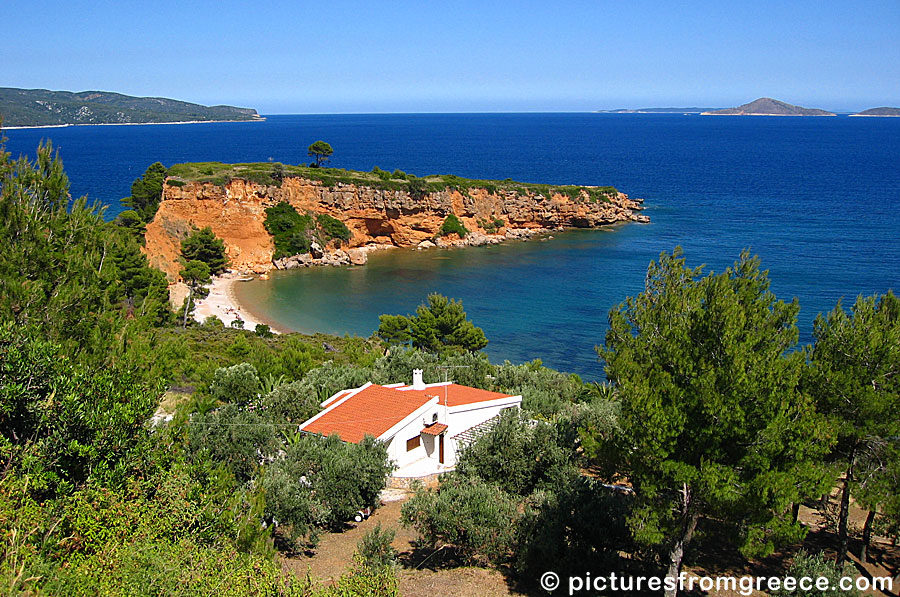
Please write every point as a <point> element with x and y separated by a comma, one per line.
<point>817,198</point>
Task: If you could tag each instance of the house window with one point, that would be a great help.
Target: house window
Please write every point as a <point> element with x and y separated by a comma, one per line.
<point>412,444</point>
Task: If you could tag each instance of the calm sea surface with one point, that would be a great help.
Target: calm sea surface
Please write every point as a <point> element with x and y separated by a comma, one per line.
<point>817,198</point>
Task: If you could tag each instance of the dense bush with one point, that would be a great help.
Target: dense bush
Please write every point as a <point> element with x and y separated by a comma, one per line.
<point>291,231</point>
<point>452,225</point>
<point>520,456</point>
<point>238,384</point>
<point>322,482</point>
<point>232,436</point>
<point>375,551</point>
<point>293,402</point>
<point>475,517</point>
<point>203,245</point>
<point>815,566</point>
<point>61,422</point>
<point>579,525</point>
<point>332,228</point>
<point>191,357</point>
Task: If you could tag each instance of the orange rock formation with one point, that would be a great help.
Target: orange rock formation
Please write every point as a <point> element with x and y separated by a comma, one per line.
<point>236,214</point>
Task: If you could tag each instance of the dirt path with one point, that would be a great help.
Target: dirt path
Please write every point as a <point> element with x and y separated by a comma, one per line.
<point>334,555</point>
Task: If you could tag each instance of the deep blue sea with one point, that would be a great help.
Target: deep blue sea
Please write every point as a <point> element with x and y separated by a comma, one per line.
<point>818,199</point>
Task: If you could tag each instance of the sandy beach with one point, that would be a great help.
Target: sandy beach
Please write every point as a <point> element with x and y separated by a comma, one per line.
<point>222,303</point>
<point>60,126</point>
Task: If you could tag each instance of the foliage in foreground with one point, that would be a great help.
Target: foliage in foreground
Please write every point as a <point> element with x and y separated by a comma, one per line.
<point>807,565</point>
<point>712,420</point>
<point>854,375</point>
<point>65,271</point>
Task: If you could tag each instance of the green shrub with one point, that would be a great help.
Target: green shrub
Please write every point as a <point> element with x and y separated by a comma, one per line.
<point>238,384</point>
<point>291,232</point>
<point>213,322</point>
<point>375,551</point>
<point>64,422</point>
<point>234,437</point>
<point>263,331</point>
<point>363,582</point>
<point>322,482</point>
<point>579,526</point>
<point>332,228</point>
<point>815,566</point>
<point>520,456</point>
<point>475,517</point>
<point>294,402</point>
<point>452,225</point>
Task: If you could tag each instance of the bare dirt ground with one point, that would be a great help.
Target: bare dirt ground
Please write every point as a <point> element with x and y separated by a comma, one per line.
<point>421,573</point>
<point>429,572</point>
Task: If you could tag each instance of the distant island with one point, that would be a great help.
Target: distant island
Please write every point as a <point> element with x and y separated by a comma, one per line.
<point>41,107</point>
<point>766,106</point>
<point>692,110</point>
<point>879,112</point>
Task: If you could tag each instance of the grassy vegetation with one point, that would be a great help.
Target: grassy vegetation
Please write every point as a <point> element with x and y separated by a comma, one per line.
<point>188,358</point>
<point>269,174</point>
<point>452,225</point>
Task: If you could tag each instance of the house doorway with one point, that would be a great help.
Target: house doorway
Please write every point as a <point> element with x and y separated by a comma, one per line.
<point>441,448</point>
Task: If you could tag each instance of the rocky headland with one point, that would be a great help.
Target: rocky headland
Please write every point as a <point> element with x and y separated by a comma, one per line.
<point>884,112</point>
<point>380,212</point>
<point>766,106</point>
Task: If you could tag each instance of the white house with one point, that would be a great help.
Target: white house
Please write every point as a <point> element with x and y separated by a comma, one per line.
<point>423,425</point>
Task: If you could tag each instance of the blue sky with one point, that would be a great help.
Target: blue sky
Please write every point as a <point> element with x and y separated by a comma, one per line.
<point>347,56</point>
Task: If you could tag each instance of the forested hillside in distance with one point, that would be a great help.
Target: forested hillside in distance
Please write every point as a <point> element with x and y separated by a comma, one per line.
<point>41,107</point>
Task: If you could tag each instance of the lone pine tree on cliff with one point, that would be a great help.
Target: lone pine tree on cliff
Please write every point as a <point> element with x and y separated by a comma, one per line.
<point>321,151</point>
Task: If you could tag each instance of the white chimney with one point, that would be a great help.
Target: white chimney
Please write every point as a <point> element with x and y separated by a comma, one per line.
<point>418,384</point>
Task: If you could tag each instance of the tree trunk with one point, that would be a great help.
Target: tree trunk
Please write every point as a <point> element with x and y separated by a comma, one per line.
<point>187,305</point>
<point>676,555</point>
<point>867,537</point>
<point>843,537</point>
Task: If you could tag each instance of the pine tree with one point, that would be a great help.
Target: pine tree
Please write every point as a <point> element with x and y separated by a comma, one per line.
<point>712,421</point>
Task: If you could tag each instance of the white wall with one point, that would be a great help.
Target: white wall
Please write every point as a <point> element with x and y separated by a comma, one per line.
<point>461,418</point>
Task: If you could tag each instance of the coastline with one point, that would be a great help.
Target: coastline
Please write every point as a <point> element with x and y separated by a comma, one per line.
<point>221,302</point>
<point>61,126</point>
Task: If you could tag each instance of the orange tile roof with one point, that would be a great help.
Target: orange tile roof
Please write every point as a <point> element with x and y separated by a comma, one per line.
<point>376,409</point>
<point>371,411</point>
<point>458,395</point>
<point>434,429</point>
